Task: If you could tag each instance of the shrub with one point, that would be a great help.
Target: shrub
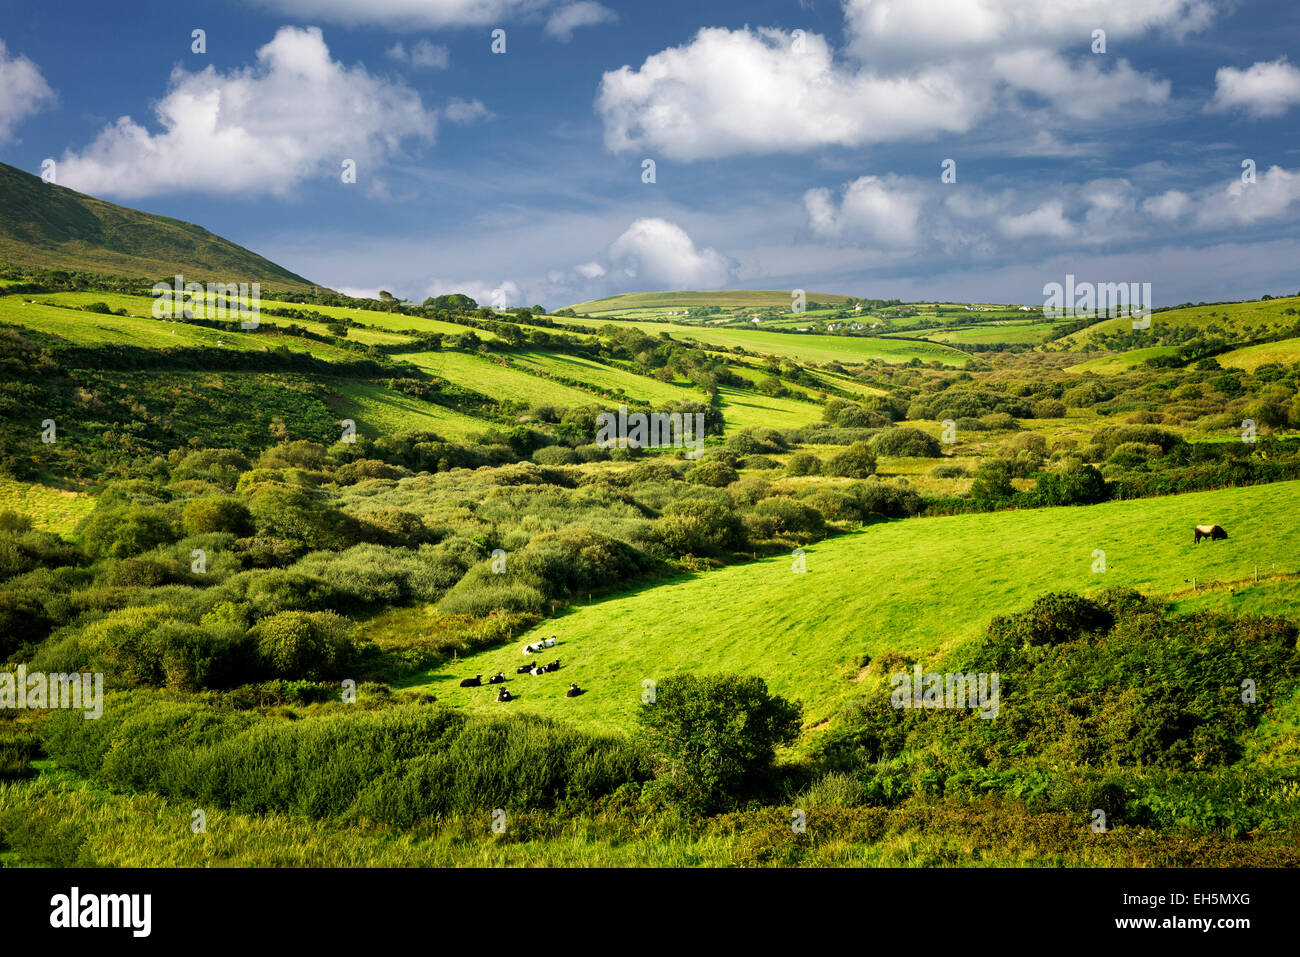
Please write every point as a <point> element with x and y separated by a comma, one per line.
<point>217,514</point>
<point>713,473</point>
<point>803,463</point>
<point>556,455</point>
<point>118,531</point>
<point>793,518</point>
<point>715,737</point>
<point>992,481</point>
<point>906,440</point>
<point>857,461</point>
<point>699,527</point>
<point>295,644</point>
<point>1049,409</point>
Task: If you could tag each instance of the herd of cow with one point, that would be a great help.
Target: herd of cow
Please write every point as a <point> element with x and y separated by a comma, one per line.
<point>534,669</point>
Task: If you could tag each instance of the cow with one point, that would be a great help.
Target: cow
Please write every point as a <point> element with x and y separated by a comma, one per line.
<point>497,678</point>
<point>524,670</point>
<point>541,645</point>
<point>1212,532</point>
<point>537,670</point>
<point>553,666</point>
<point>505,695</point>
<point>573,691</point>
<point>474,682</point>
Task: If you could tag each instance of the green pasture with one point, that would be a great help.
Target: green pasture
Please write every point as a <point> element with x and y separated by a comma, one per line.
<point>915,586</point>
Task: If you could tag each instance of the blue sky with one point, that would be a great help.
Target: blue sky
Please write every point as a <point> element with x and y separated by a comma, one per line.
<point>783,159</point>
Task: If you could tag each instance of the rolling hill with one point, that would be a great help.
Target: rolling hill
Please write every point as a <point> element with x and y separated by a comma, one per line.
<point>42,224</point>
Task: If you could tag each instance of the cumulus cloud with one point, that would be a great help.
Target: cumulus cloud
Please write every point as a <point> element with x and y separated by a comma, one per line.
<point>1083,91</point>
<point>497,295</point>
<point>912,69</point>
<point>23,91</point>
<point>731,92</point>
<point>1167,206</point>
<point>246,131</point>
<point>880,211</point>
<point>1244,204</point>
<point>1268,88</point>
<point>410,13</point>
<point>422,55</point>
<point>916,29</point>
<point>657,252</point>
<point>591,270</point>
<point>1047,220</point>
<point>571,16</point>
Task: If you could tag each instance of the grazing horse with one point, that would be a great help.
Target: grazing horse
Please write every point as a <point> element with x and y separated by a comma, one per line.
<point>1212,532</point>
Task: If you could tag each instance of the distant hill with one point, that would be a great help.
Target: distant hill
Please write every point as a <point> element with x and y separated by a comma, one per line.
<point>46,225</point>
<point>650,303</point>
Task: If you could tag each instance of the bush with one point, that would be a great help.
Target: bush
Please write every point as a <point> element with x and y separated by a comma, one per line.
<point>296,644</point>
<point>992,482</point>
<point>1076,484</point>
<point>699,527</point>
<point>556,455</point>
<point>713,473</point>
<point>792,518</point>
<point>857,461</point>
<point>906,440</point>
<point>1049,409</point>
<point>715,737</point>
<point>217,514</point>
<point>803,463</point>
<point>119,531</point>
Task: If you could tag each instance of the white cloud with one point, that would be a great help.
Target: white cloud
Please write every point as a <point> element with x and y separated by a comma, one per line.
<point>918,29</point>
<point>882,211</point>
<point>499,295</point>
<point>1083,91</point>
<point>747,91</point>
<point>247,132</point>
<point>1244,204</point>
<point>465,111</point>
<point>410,13</point>
<point>1265,89</point>
<point>23,91</point>
<point>657,252</point>
<point>570,17</point>
<point>422,55</point>
<point>1168,206</point>
<point>1047,220</point>
<point>592,270</point>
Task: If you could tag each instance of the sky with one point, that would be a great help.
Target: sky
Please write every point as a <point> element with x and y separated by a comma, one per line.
<point>553,151</point>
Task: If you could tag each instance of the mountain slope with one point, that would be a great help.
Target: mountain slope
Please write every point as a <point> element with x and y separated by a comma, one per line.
<point>46,225</point>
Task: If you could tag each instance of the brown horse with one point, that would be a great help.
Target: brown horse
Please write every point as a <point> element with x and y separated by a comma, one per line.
<point>1212,532</point>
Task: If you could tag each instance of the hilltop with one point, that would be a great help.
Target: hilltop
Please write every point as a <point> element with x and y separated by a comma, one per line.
<point>45,225</point>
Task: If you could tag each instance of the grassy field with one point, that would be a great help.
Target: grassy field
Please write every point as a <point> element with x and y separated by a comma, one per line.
<point>379,411</point>
<point>499,381</point>
<point>914,586</point>
<point>1285,351</point>
<point>1120,362</point>
<point>608,377</point>
<point>90,329</point>
<point>50,509</point>
<point>814,348</point>
<point>1010,332</point>
<point>1256,316</point>
<point>655,302</point>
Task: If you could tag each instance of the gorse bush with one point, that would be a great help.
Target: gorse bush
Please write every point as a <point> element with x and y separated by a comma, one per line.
<point>397,765</point>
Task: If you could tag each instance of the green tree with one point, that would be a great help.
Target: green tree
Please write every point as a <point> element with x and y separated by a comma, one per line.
<point>715,737</point>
